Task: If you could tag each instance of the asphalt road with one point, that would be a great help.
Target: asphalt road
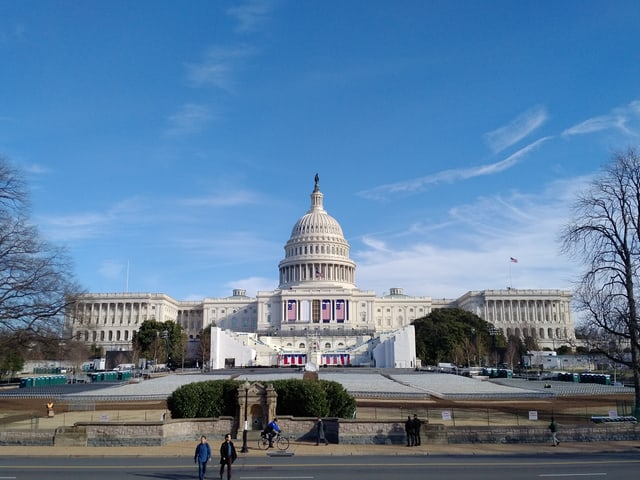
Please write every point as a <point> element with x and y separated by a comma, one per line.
<point>514,467</point>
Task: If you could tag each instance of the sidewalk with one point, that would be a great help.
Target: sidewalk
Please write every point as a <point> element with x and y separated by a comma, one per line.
<point>186,449</point>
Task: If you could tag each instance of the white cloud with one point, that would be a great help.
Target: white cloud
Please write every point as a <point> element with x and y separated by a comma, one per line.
<point>74,227</point>
<point>16,32</point>
<point>35,169</point>
<point>449,176</point>
<point>519,128</point>
<point>218,67</point>
<point>112,270</point>
<point>471,250</point>
<point>251,15</point>
<point>618,119</point>
<point>223,199</point>
<point>87,225</point>
<point>253,285</point>
<point>191,118</point>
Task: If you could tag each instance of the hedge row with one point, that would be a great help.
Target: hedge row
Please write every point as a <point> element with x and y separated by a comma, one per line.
<point>298,398</point>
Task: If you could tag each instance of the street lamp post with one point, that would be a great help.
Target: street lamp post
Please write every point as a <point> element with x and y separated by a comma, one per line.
<point>493,332</point>
<point>245,449</point>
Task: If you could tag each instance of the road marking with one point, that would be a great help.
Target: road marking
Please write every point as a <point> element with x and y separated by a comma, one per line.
<point>571,474</point>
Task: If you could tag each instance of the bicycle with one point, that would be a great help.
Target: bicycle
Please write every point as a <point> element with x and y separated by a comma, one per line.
<point>279,441</point>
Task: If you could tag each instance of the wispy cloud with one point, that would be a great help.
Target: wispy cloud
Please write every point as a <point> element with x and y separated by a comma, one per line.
<point>472,250</point>
<point>225,199</point>
<point>74,227</point>
<point>251,15</point>
<point>449,176</point>
<point>35,169</point>
<point>88,225</point>
<point>519,128</point>
<point>190,119</point>
<point>618,119</point>
<point>15,32</point>
<point>112,270</point>
<point>218,67</point>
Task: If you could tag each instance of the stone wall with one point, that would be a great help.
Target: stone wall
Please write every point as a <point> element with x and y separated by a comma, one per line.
<point>42,438</point>
<point>153,433</point>
<point>302,429</point>
<point>596,433</point>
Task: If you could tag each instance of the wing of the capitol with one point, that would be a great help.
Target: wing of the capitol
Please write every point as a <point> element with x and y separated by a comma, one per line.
<point>317,315</point>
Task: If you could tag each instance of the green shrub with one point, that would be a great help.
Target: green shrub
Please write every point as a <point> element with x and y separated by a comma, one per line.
<point>340,402</point>
<point>213,398</point>
<point>298,398</point>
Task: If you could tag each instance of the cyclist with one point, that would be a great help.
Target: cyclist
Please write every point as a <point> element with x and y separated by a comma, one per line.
<point>272,430</point>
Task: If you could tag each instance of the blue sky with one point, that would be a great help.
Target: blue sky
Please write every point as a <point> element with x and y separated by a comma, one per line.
<point>178,141</point>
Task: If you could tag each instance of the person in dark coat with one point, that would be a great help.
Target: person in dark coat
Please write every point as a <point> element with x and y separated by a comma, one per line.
<point>417,426</point>
<point>228,455</point>
<point>202,456</point>
<point>553,428</point>
<point>408,429</point>
<point>321,432</point>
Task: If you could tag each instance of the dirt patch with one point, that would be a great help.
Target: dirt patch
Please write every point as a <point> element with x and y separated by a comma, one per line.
<point>567,410</point>
<point>36,406</point>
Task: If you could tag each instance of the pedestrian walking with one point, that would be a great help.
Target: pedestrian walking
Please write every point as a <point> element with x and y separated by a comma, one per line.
<point>553,428</point>
<point>202,456</point>
<point>321,432</point>
<point>408,429</point>
<point>228,455</point>
<point>417,426</point>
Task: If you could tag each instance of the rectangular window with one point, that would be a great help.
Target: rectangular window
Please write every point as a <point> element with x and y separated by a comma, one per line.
<point>315,311</point>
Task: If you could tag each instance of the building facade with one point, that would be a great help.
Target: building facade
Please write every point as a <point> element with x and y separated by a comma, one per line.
<point>317,311</point>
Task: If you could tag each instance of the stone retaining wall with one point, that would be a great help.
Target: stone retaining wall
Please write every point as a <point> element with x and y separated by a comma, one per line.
<point>302,429</point>
<point>42,438</point>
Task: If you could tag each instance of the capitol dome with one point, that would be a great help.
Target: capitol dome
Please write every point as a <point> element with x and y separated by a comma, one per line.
<point>317,252</point>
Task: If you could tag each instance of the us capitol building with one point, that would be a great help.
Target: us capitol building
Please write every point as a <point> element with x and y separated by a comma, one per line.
<point>317,314</point>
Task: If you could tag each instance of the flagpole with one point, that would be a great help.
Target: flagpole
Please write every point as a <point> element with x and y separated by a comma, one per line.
<point>511,260</point>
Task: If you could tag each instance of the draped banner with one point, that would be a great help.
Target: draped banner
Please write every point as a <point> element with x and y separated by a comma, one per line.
<point>326,311</point>
<point>292,310</point>
<point>340,310</point>
<point>335,359</point>
<point>286,359</point>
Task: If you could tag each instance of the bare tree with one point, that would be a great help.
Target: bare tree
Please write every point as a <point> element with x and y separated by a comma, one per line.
<point>36,282</point>
<point>604,234</point>
<point>513,350</point>
<point>204,347</point>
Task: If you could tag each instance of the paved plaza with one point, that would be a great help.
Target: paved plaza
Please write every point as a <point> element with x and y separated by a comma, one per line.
<point>361,383</point>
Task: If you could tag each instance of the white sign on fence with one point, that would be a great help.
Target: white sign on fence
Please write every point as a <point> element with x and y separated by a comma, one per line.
<point>446,414</point>
<point>533,415</point>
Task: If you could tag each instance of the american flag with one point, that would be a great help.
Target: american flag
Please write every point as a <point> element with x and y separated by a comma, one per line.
<point>326,309</point>
<point>291,310</point>
<point>340,310</point>
<point>513,260</point>
<point>319,274</point>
